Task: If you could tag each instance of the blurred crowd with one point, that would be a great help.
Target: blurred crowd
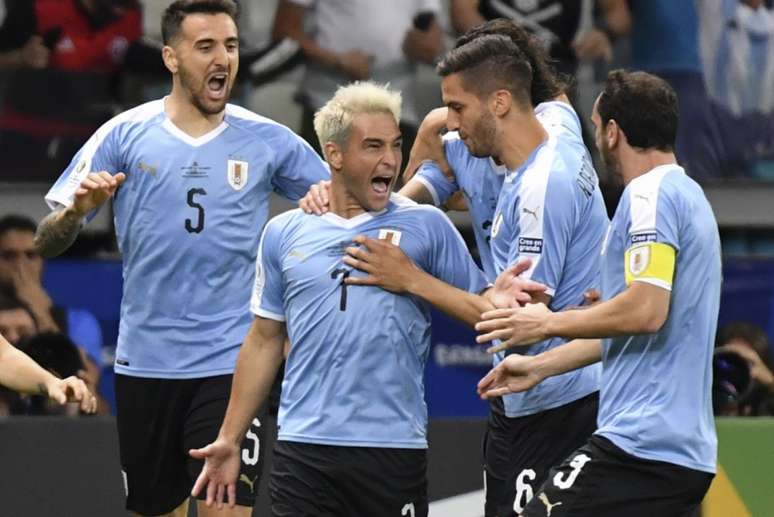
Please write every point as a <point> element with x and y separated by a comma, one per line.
<point>69,65</point>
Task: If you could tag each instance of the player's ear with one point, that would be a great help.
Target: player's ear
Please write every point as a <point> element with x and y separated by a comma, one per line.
<point>501,102</point>
<point>333,155</point>
<point>612,133</point>
<point>170,58</point>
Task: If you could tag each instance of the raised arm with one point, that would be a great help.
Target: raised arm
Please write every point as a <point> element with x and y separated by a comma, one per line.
<point>389,268</point>
<point>58,230</point>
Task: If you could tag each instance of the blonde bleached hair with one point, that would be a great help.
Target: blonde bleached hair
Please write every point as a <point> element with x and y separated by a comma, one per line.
<point>333,122</point>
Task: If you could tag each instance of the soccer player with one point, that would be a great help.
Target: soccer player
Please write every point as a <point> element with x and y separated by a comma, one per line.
<point>192,177</point>
<point>20,373</point>
<point>352,416</point>
<point>550,210</point>
<point>654,452</point>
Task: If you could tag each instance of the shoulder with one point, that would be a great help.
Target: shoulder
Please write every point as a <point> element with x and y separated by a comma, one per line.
<point>558,116</point>
<point>278,225</point>
<point>242,118</point>
<point>432,218</point>
<point>139,116</point>
<point>649,194</point>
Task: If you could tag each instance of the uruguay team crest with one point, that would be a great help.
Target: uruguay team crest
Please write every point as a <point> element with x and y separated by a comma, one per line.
<point>237,174</point>
<point>639,259</point>
<point>390,235</point>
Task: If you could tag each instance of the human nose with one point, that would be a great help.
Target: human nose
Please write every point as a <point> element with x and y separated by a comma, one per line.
<point>452,121</point>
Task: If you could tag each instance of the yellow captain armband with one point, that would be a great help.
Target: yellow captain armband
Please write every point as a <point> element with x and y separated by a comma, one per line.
<point>651,262</point>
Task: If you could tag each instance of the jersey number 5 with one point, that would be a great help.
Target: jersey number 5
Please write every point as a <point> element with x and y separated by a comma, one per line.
<point>189,226</point>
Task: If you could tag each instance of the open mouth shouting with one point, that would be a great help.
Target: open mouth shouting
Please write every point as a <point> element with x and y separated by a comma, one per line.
<point>381,184</point>
<point>217,85</point>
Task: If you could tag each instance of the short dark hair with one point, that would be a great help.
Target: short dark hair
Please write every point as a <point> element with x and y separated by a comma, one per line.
<point>644,106</point>
<point>18,223</point>
<point>178,10</point>
<point>547,82</point>
<point>489,63</point>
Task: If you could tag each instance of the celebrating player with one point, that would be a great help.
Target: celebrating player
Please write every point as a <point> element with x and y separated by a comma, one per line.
<point>191,176</point>
<point>655,450</point>
<point>352,416</point>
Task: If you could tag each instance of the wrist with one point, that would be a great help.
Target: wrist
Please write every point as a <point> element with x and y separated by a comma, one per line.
<point>230,437</point>
<point>73,213</point>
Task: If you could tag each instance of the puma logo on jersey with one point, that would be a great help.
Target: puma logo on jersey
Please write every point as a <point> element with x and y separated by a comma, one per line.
<point>549,507</point>
<point>640,196</point>
<point>247,480</point>
<point>533,213</point>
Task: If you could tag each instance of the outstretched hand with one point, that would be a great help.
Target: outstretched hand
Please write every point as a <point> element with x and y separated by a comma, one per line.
<point>95,189</point>
<point>513,327</point>
<point>510,291</point>
<point>219,474</point>
<point>514,374</point>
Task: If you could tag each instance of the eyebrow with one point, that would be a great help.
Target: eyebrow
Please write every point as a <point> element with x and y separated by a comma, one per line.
<point>209,41</point>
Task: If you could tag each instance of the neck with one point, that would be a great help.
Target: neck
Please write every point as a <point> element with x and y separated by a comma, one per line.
<point>186,116</point>
<point>635,162</point>
<point>521,136</point>
<point>342,203</point>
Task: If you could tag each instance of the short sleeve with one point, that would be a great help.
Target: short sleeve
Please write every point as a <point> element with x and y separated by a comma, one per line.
<point>436,182</point>
<point>545,215</point>
<point>268,290</point>
<point>653,238</point>
<point>450,260</point>
<point>298,166</point>
<point>100,153</point>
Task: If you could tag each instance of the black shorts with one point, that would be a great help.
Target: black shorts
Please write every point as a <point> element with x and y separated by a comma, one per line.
<point>601,480</point>
<point>519,452</point>
<point>159,420</point>
<point>310,480</point>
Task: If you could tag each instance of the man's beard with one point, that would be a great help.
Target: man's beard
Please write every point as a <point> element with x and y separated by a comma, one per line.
<point>197,96</point>
<point>483,137</point>
<point>612,164</point>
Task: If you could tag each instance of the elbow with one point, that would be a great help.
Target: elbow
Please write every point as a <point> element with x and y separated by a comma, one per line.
<point>649,320</point>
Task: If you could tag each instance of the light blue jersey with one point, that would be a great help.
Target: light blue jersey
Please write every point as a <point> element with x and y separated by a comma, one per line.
<point>480,179</point>
<point>551,211</point>
<point>563,241</point>
<point>354,375</point>
<point>188,220</point>
<point>655,399</point>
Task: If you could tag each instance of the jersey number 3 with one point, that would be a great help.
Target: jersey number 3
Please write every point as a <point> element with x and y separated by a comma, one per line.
<point>189,226</point>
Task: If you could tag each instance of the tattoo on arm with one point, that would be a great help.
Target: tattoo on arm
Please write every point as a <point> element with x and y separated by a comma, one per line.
<point>56,232</point>
<point>42,390</point>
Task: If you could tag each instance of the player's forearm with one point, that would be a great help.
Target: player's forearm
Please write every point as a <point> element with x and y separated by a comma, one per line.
<point>462,305</point>
<point>257,365</point>
<point>640,309</point>
<point>416,191</point>
<point>20,373</point>
<point>57,231</point>
<point>570,356</point>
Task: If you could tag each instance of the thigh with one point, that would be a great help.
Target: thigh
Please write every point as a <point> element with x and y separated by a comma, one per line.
<point>600,480</point>
<point>201,426</point>
<point>149,416</point>
<point>519,452</point>
<point>384,482</point>
<point>301,484</point>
